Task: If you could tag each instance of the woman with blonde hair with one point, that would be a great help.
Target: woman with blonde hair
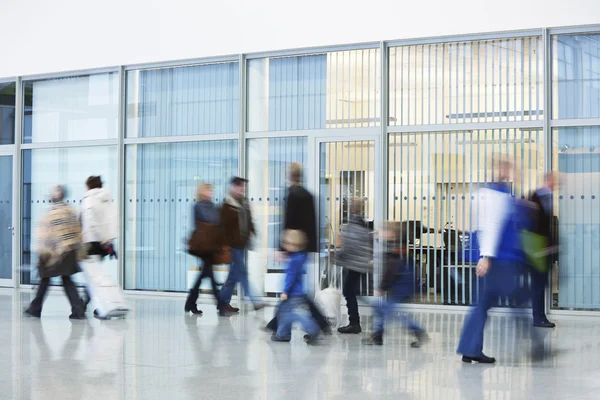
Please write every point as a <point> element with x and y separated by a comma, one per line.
<point>207,232</point>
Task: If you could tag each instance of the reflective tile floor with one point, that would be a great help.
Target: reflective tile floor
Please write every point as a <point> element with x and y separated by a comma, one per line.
<point>159,353</point>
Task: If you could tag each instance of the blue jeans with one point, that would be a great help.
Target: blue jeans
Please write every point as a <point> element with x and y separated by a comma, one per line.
<point>238,272</point>
<point>295,309</point>
<point>502,279</point>
<point>402,290</point>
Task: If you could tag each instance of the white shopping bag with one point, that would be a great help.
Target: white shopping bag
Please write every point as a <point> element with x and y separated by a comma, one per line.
<point>329,303</point>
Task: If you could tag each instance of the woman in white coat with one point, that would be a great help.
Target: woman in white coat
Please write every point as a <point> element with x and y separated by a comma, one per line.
<point>99,231</point>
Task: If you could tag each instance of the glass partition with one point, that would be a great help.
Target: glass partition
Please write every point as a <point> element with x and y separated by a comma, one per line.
<point>467,82</point>
<point>160,191</point>
<point>433,182</point>
<point>74,108</point>
<point>329,90</point>
<point>268,170</point>
<point>183,101</point>
<point>43,168</point>
<point>7,112</point>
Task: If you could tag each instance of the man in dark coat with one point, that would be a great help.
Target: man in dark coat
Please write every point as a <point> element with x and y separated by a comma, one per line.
<point>543,198</point>
<point>300,215</point>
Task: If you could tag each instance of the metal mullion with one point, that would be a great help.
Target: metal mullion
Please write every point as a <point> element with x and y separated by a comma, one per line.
<point>464,225</point>
<point>464,59</point>
<point>450,81</point>
<point>408,86</point>
<point>413,139</point>
<point>180,139</point>
<point>472,80</point>
<point>435,224</point>
<point>493,79</point>
<point>547,114</point>
<point>122,121</point>
<point>436,83</point>
<point>69,144</point>
<point>429,220</point>
<point>334,97</point>
<point>401,85</point>
<point>456,239</point>
<point>429,84</point>
<point>443,82</point>
<point>471,213</point>
<point>17,195</point>
<point>422,121</point>
<point>509,43</point>
<point>362,91</point>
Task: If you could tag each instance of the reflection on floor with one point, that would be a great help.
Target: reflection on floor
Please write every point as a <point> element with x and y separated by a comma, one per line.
<point>158,353</point>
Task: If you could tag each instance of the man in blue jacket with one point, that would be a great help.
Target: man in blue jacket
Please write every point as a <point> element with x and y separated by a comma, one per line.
<point>502,260</point>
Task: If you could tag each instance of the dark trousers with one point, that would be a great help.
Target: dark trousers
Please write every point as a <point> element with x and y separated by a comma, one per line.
<point>351,280</point>
<point>314,311</point>
<point>538,291</point>
<point>77,307</point>
<point>207,272</point>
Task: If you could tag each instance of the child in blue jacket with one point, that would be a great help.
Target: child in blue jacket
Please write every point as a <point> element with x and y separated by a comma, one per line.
<point>294,306</point>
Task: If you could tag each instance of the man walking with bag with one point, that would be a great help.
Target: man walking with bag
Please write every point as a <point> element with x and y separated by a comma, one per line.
<point>238,229</point>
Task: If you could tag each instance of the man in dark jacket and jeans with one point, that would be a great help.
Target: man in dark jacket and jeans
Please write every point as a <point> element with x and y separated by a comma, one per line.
<point>238,228</point>
<point>300,215</point>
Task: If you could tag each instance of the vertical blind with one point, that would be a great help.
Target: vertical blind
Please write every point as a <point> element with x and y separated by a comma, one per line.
<point>184,101</point>
<point>333,90</point>
<point>434,178</point>
<point>160,192</point>
<point>465,82</point>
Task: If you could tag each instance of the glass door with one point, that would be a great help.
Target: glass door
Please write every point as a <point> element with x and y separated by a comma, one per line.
<point>349,176</point>
<point>7,229</point>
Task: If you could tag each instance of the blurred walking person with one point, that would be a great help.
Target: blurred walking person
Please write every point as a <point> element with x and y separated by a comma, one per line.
<point>238,229</point>
<point>543,198</point>
<point>502,260</point>
<point>205,242</point>
<point>399,282</point>
<point>300,215</point>
<point>99,221</point>
<point>58,247</point>
<point>294,307</point>
<point>356,257</point>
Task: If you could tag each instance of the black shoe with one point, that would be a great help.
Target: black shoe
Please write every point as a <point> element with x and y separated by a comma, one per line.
<point>259,306</point>
<point>97,316</point>
<point>327,331</point>
<point>28,313</point>
<point>482,359</point>
<point>544,324</point>
<point>374,340</point>
<point>193,310</point>
<point>309,339</point>
<point>73,316</point>
<point>275,338</point>
<point>351,328</point>
<point>421,337</point>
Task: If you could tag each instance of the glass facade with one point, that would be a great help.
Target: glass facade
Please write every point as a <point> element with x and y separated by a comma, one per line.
<point>72,108</point>
<point>43,168</point>
<point>183,101</point>
<point>7,112</point>
<point>452,107</point>
<point>434,178</point>
<point>160,191</point>
<point>320,91</point>
<point>268,171</point>
<point>466,82</point>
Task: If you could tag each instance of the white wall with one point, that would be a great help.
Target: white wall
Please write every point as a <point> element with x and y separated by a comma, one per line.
<point>41,36</point>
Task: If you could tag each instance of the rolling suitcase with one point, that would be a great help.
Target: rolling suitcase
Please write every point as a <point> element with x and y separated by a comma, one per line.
<point>106,294</point>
